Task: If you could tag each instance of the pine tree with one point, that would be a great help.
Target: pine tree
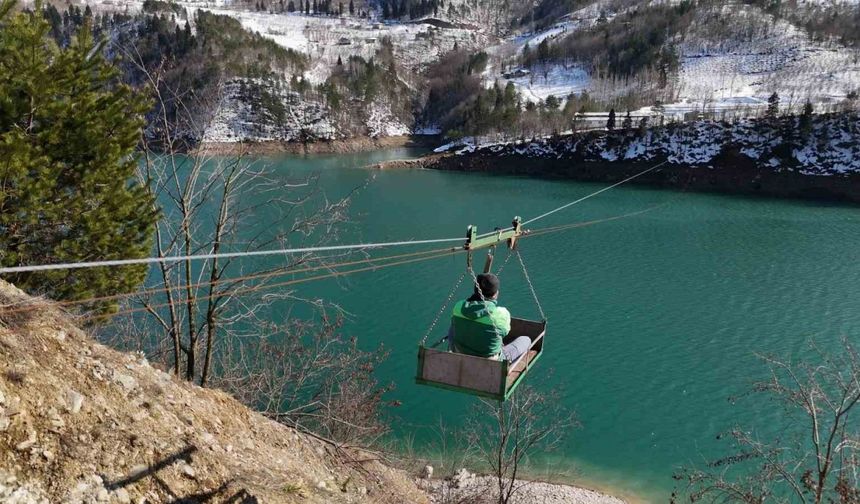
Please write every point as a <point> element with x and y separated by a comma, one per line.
<point>543,51</point>
<point>351,8</point>
<point>805,122</point>
<point>851,99</point>
<point>627,124</point>
<point>772,106</point>
<point>68,132</point>
<point>643,127</point>
<point>339,61</point>
<point>610,123</point>
<point>552,103</point>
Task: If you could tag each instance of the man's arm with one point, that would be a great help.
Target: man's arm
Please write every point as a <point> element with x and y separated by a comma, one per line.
<point>502,320</point>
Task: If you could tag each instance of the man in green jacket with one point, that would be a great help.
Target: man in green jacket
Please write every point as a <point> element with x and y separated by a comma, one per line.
<point>479,324</point>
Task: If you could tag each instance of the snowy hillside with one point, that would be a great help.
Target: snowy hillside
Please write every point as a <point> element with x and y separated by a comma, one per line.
<point>242,117</point>
<point>781,59</point>
<point>732,58</point>
<point>325,39</point>
<point>832,146</point>
<point>360,75</point>
<point>256,110</point>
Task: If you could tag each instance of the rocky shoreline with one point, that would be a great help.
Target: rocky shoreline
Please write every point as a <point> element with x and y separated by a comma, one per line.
<point>339,146</point>
<point>751,158</point>
<point>478,489</point>
<point>727,174</point>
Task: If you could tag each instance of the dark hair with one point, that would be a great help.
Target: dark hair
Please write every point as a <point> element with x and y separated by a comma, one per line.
<point>489,286</point>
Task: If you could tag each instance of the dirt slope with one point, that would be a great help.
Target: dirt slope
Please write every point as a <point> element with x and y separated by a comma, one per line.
<point>82,423</point>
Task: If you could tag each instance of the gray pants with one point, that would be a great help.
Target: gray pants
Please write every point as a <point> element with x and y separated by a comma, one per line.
<point>517,347</point>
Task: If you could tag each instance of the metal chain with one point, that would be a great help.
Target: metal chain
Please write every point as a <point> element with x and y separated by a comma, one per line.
<point>507,258</point>
<point>444,306</point>
<point>529,282</point>
<point>484,300</point>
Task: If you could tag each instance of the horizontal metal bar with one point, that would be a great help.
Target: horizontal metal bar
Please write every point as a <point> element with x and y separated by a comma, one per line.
<point>490,241</point>
<point>455,388</point>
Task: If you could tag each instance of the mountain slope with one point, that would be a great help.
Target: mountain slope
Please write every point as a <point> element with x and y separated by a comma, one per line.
<point>80,422</point>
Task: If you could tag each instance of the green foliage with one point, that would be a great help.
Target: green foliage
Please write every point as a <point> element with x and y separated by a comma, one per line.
<point>627,123</point>
<point>268,102</point>
<point>161,6</point>
<point>457,100</point>
<point>548,12</point>
<point>191,66</point>
<point>355,84</point>
<point>477,63</point>
<point>242,53</point>
<point>630,43</point>
<point>772,106</point>
<point>642,129</point>
<point>805,121</point>
<point>68,131</point>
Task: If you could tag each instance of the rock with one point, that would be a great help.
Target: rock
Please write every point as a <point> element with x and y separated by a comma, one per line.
<point>2,398</point>
<point>122,496</point>
<point>127,382</point>
<point>228,448</point>
<point>60,335</point>
<point>26,445</point>
<point>49,456</point>
<point>188,471</point>
<point>74,401</point>
<point>321,485</point>
<point>462,478</point>
<point>138,470</point>
<point>427,472</point>
<point>103,495</point>
<point>98,369</point>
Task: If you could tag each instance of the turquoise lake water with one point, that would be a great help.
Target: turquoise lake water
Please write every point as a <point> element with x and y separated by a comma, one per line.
<point>654,320</point>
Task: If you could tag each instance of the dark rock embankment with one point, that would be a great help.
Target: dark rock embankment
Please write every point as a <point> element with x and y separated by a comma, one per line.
<point>728,174</point>
<point>807,158</point>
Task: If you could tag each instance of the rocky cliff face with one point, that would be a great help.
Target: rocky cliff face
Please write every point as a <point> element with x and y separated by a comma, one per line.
<point>82,423</point>
<point>828,146</point>
<point>758,157</point>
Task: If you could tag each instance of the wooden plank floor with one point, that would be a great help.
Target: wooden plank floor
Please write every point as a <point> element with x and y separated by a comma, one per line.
<point>515,373</point>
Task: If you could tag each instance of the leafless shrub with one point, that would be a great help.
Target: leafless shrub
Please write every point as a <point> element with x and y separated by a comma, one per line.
<point>813,459</point>
<point>504,436</point>
<point>210,320</point>
<point>307,375</point>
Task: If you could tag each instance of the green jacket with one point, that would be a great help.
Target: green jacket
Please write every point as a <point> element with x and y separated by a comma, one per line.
<point>479,327</point>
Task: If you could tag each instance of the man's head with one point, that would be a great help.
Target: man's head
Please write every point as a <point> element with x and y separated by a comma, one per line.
<point>489,285</point>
